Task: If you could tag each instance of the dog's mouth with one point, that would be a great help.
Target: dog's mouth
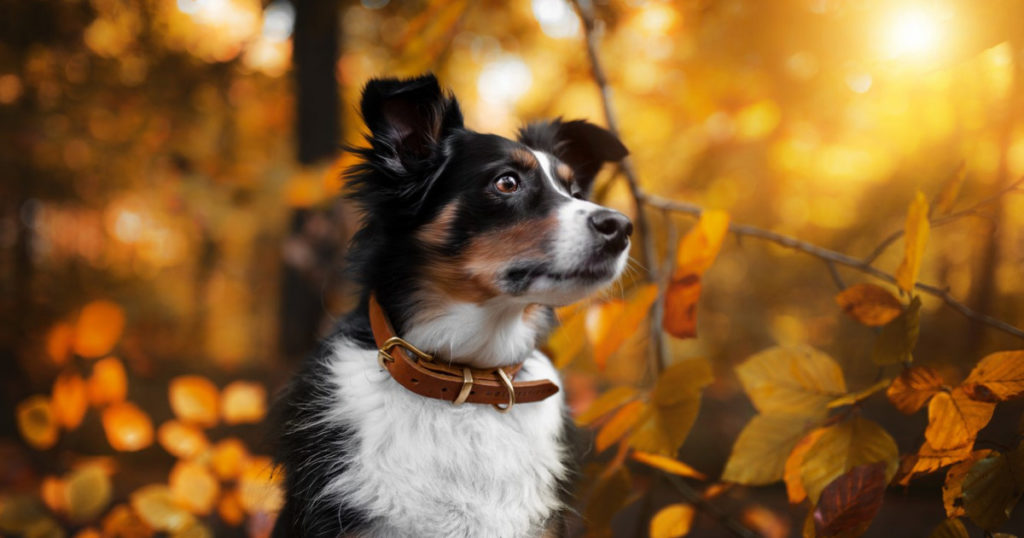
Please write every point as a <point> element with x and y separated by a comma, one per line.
<point>519,277</point>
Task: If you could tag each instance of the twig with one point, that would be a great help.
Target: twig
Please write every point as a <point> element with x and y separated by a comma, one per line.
<point>835,258</point>
<point>695,498</point>
<point>585,9</point>
<point>973,210</point>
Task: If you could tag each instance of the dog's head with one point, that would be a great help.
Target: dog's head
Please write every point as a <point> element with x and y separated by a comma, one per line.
<point>478,216</point>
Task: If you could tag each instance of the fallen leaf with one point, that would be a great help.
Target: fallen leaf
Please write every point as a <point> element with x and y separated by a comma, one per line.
<point>954,419</point>
<point>915,238</point>
<point>606,403</point>
<point>798,380</point>
<point>182,440</point>
<point>128,428</point>
<point>194,487</point>
<point>68,400</point>
<point>243,402</point>
<point>624,420</point>
<point>895,343</point>
<point>913,388</point>
<point>195,399</point>
<point>999,376</point>
<point>843,446</point>
<point>791,471</point>
<point>672,521</point>
<point>869,304</point>
<point>759,454</point>
<point>669,465</point>
<point>36,422</point>
<point>108,383</point>
<point>98,328</point>
<point>614,321</point>
<point>952,488</point>
<point>849,503</point>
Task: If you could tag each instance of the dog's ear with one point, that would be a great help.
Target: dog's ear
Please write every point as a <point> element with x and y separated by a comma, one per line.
<point>408,118</point>
<point>580,144</point>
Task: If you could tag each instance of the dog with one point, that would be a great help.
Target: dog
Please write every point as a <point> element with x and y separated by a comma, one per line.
<point>430,412</point>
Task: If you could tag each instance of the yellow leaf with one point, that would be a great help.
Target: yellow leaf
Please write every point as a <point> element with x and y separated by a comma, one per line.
<point>947,196</point>
<point>616,320</point>
<point>194,487</point>
<point>229,459</point>
<point>913,388</point>
<point>88,491</point>
<point>98,328</point>
<point>243,402</point>
<point>123,522</point>
<point>37,423</point>
<point>699,247</point>
<point>842,447</point>
<point>69,401</point>
<point>570,338</point>
<point>672,521</point>
<point>954,419</point>
<point>869,304</point>
<point>195,399</point>
<point>760,452</point>
<point>796,380</point>
<point>952,488</point>
<point>895,343</point>
<point>915,238</point>
<point>182,440</point>
<point>999,376</point>
<point>606,403</point>
<point>156,506</point>
<point>128,428</point>
<point>619,425</point>
<point>791,473</point>
<point>669,465</point>
<point>858,396</point>
<point>108,383</point>
<point>674,407</point>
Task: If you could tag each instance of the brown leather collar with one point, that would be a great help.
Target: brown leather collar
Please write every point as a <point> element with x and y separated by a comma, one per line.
<point>454,383</point>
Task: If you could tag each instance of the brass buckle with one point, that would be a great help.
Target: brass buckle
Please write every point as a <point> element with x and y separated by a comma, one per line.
<point>384,353</point>
<point>467,387</point>
<point>511,391</point>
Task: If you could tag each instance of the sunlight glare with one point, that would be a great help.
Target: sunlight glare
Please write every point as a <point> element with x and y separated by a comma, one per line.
<point>913,31</point>
<point>504,81</point>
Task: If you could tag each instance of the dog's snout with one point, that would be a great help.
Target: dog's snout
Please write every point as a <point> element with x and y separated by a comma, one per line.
<point>613,228</point>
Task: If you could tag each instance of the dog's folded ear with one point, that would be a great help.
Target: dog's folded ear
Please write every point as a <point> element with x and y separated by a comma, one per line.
<point>580,144</point>
<point>408,117</point>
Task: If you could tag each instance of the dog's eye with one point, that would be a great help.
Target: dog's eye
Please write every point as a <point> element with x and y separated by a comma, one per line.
<point>576,193</point>
<point>506,184</point>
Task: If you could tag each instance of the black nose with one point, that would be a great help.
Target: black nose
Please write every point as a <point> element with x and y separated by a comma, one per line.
<point>613,228</point>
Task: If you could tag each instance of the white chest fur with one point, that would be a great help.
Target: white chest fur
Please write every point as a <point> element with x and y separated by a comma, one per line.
<point>423,467</point>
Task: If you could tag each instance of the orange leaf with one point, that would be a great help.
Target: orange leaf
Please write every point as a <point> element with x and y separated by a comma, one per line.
<point>52,491</point>
<point>59,340</point>
<point>699,247</point>
<point>999,376</point>
<point>98,328</point>
<point>619,425</point>
<point>182,440</point>
<point>128,428</point>
<point>915,238</point>
<point>869,304</point>
<point>850,502</point>
<point>230,508</point>
<point>766,522</point>
<point>229,458</point>
<point>69,401</point>
<point>194,487</point>
<point>954,419</point>
<point>194,399</point>
<point>569,339</point>
<point>243,402</point>
<point>606,403</point>
<point>680,319</point>
<point>108,383</point>
<point>614,321</point>
<point>669,465</point>
<point>123,522</point>
<point>913,388</point>
<point>929,459</point>
<point>260,486</point>
<point>37,423</point>
<point>672,521</point>
<point>794,484</point>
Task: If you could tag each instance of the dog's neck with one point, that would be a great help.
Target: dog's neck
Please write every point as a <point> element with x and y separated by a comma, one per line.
<point>497,332</point>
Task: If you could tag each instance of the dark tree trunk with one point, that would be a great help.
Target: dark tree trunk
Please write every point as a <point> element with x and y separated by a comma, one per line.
<point>316,87</point>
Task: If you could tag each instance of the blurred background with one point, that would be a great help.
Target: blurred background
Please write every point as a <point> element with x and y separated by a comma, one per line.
<point>171,241</point>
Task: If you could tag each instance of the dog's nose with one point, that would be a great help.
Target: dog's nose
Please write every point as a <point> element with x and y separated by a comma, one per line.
<point>613,228</point>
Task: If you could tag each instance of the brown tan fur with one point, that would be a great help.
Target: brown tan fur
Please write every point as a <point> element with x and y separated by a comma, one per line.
<point>435,232</point>
<point>525,159</point>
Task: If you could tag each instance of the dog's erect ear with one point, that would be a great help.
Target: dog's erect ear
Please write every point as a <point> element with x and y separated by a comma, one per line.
<point>580,144</point>
<point>409,117</point>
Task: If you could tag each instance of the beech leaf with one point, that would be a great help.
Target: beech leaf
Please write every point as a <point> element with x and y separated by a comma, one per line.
<point>669,465</point>
<point>842,447</point>
<point>954,419</point>
<point>614,321</point>
<point>760,452</point>
<point>913,388</point>
<point>696,252</point>
<point>791,474</point>
<point>672,521</point>
<point>999,376</point>
<point>895,344</point>
<point>797,380</point>
<point>869,304</point>
<point>992,488</point>
<point>611,400</point>
<point>674,407</point>
<point>624,420</point>
<point>915,239</point>
<point>952,489</point>
<point>850,502</point>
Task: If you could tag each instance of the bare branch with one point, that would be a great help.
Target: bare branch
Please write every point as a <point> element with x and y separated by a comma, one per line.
<point>834,257</point>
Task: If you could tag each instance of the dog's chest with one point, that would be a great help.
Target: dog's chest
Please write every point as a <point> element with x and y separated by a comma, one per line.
<point>423,467</point>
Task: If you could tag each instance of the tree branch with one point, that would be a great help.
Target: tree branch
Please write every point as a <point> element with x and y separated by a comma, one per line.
<point>834,257</point>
